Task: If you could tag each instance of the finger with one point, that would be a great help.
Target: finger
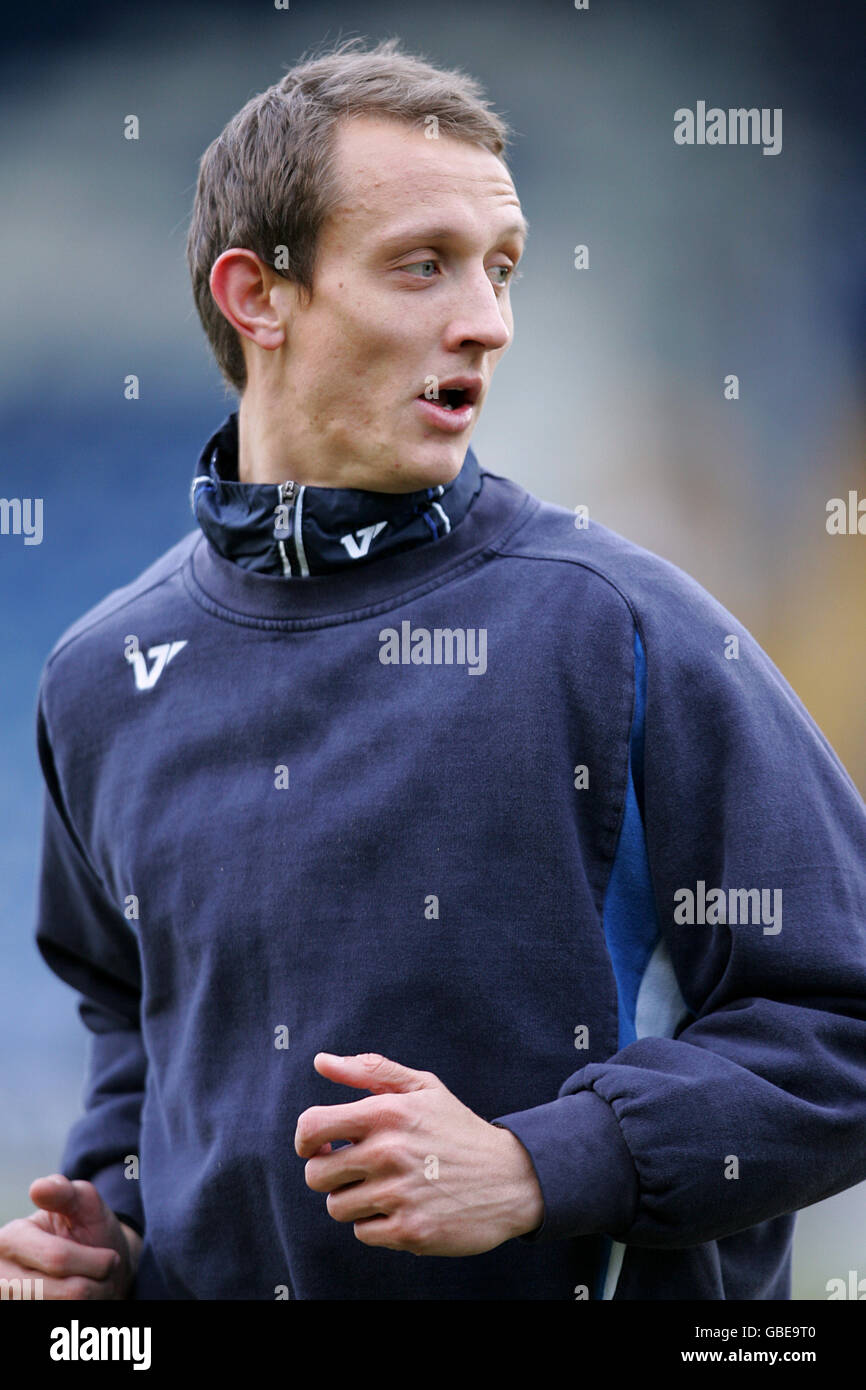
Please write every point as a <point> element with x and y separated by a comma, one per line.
<point>362,1202</point>
<point>373,1072</point>
<point>45,1220</point>
<point>57,1193</point>
<point>72,1207</point>
<point>321,1124</point>
<point>74,1288</point>
<point>381,1231</point>
<point>56,1224</point>
<point>323,1174</point>
<point>54,1187</point>
<point>25,1242</point>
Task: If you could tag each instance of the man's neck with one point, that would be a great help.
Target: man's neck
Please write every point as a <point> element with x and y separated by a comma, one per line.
<point>308,530</point>
<point>267,445</point>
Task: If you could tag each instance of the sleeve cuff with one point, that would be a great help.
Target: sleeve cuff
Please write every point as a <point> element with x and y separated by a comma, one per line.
<point>584,1167</point>
<point>131,1222</point>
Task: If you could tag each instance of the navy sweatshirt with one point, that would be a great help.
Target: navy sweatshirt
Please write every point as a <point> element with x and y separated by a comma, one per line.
<point>452,777</point>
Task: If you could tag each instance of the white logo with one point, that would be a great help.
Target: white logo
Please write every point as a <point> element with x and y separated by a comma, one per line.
<point>160,656</point>
<point>367,534</point>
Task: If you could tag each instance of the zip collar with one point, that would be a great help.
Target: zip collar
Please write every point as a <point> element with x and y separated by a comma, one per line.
<point>297,530</point>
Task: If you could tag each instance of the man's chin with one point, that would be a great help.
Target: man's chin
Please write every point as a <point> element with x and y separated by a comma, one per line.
<point>435,462</point>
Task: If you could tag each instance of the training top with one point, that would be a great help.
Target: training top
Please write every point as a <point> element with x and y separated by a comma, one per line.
<point>467,779</point>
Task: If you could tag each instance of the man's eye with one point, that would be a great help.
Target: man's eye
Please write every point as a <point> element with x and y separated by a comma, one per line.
<point>510,272</point>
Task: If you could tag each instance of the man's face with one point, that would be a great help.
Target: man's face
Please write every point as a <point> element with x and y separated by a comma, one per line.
<point>412,281</point>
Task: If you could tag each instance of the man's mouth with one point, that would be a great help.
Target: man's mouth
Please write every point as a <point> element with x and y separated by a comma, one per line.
<point>453,407</point>
<point>456,391</point>
<point>452,398</point>
<point>452,410</point>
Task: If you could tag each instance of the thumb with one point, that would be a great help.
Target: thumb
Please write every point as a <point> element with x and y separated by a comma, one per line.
<point>77,1201</point>
<point>372,1072</point>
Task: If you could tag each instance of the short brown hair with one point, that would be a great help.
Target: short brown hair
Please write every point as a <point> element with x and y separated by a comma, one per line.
<point>269,179</point>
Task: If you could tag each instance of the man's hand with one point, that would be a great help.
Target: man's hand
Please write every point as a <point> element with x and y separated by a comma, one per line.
<point>74,1243</point>
<point>423,1172</point>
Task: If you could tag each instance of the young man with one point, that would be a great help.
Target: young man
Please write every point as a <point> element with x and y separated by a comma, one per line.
<point>392,779</point>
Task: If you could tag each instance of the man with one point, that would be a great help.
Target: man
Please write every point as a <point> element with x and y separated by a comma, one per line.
<point>393,779</point>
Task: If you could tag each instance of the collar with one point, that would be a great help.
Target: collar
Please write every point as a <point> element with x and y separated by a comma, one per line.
<point>293,529</point>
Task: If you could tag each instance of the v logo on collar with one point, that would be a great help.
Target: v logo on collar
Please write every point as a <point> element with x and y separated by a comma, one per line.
<point>367,534</point>
<point>327,528</point>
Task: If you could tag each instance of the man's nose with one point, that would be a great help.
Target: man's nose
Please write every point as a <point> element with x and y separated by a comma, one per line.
<point>477,314</point>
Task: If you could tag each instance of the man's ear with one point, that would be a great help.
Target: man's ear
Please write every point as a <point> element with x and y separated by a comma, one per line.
<point>241,284</point>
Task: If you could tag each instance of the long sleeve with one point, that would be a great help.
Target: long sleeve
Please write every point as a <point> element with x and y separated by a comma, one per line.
<point>738,1093</point>
<point>85,939</point>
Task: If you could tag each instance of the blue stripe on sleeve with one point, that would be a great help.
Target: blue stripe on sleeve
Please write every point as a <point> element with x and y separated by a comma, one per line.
<point>630,922</point>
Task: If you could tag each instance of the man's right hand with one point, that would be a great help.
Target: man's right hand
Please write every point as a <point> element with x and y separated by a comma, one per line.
<point>74,1243</point>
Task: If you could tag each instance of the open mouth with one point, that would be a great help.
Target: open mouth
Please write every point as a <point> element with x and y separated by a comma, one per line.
<point>452,409</point>
<point>453,398</point>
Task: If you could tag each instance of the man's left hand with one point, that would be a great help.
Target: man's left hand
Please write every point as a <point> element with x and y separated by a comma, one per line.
<point>422,1172</point>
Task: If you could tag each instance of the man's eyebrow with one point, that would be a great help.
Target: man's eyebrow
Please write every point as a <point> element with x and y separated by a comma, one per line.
<point>424,232</point>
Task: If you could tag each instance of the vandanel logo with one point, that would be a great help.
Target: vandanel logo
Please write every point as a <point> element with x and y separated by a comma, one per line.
<point>358,543</point>
<point>146,676</point>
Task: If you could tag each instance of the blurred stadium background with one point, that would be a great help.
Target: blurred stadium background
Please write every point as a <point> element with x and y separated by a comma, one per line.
<point>703,262</point>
